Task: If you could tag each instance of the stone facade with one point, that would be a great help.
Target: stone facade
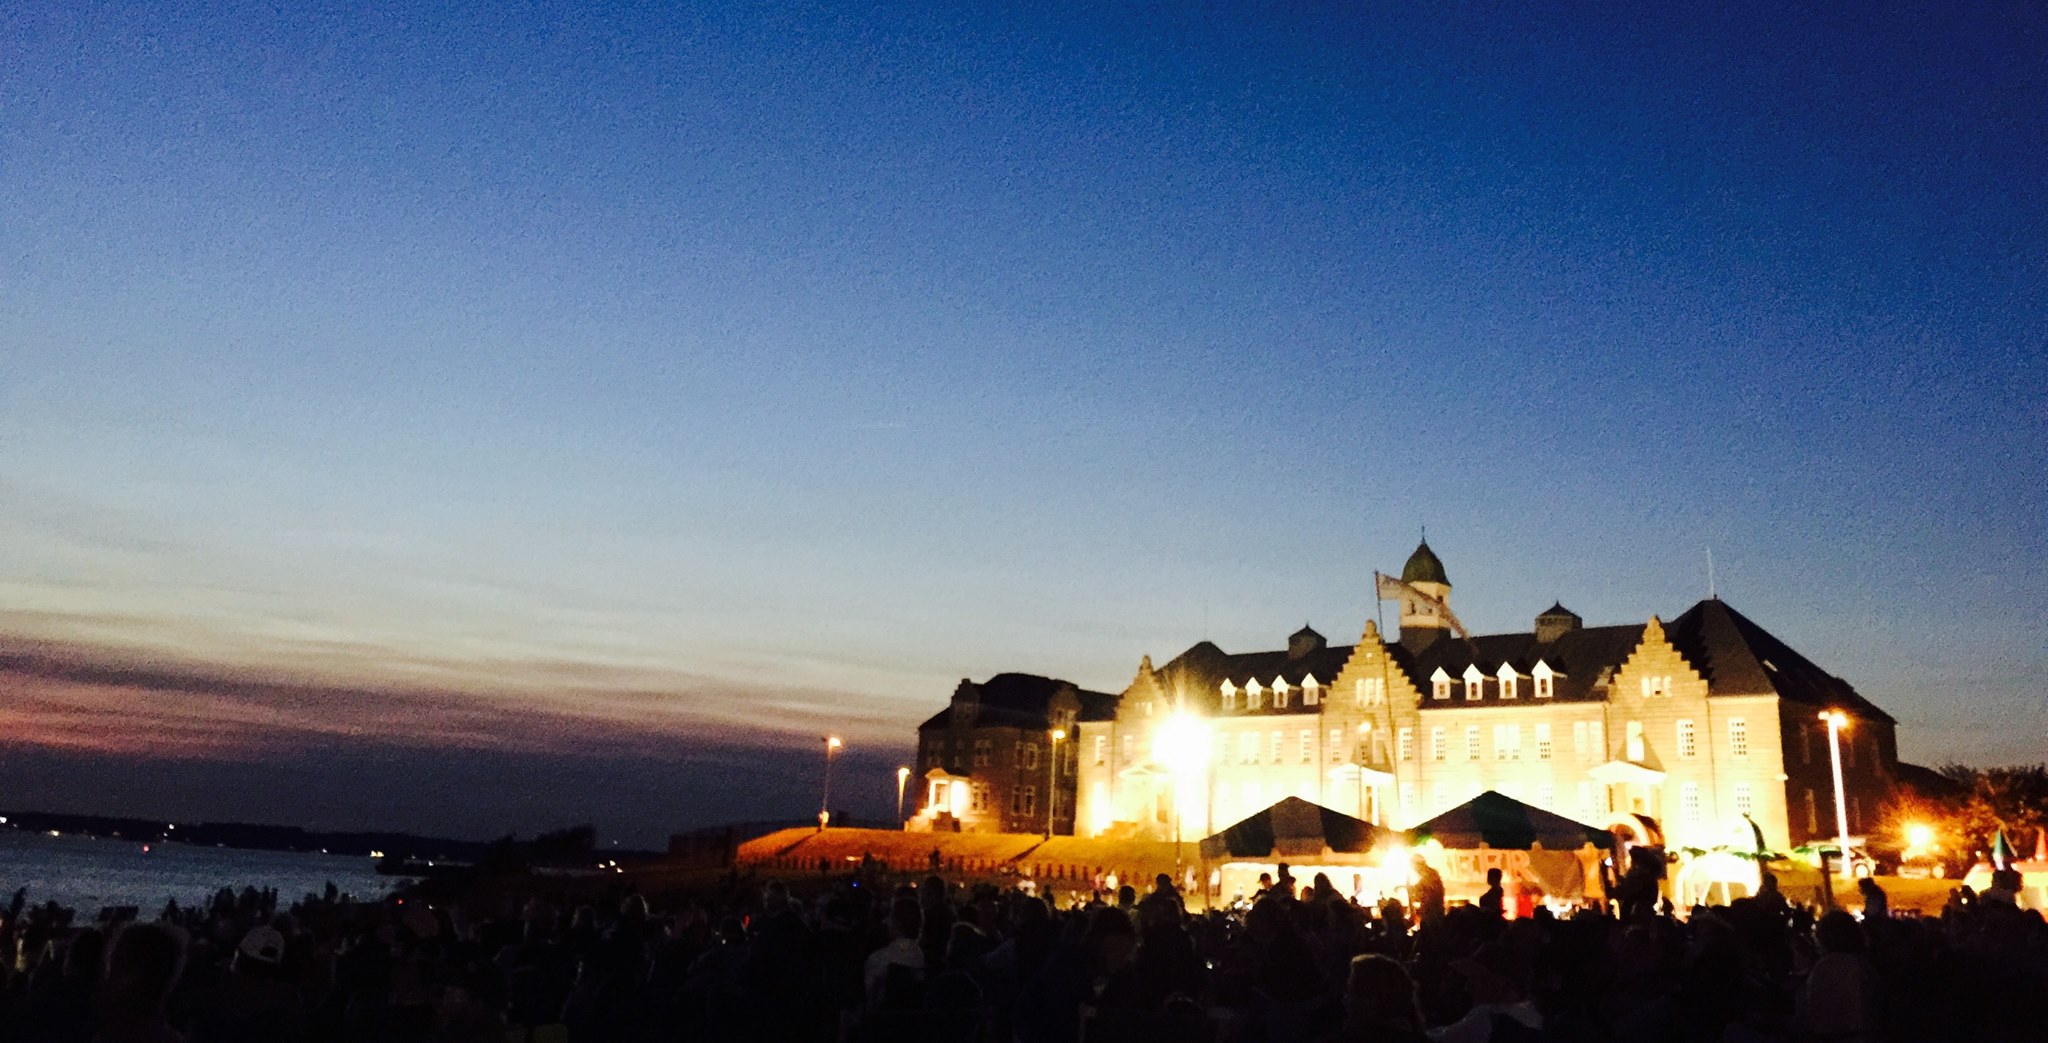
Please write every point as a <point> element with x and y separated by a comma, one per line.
<point>990,762</point>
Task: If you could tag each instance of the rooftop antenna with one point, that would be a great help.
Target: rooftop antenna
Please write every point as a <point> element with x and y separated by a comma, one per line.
<point>1710,575</point>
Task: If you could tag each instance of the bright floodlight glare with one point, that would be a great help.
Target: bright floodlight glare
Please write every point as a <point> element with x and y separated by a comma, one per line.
<point>1183,743</point>
<point>1835,717</point>
<point>1059,734</point>
<point>1919,835</point>
<point>833,742</point>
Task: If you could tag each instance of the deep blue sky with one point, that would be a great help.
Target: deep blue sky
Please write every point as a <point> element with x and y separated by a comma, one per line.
<point>693,382</point>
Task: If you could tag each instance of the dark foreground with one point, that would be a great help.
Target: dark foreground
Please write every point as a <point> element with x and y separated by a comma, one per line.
<point>873,959</point>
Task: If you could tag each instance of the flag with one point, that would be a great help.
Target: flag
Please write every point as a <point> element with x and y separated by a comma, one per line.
<point>2041,845</point>
<point>2001,852</point>
<point>1388,588</point>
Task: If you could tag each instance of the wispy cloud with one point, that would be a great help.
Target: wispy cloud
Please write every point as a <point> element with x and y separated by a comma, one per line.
<point>75,696</point>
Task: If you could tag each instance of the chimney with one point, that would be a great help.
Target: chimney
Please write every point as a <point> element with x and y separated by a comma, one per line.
<point>1555,622</point>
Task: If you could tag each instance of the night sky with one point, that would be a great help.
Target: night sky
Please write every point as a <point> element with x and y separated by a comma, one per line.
<point>486,419</point>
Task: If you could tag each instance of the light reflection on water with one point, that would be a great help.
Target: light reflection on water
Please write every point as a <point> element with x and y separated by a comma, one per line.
<point>87,873</point>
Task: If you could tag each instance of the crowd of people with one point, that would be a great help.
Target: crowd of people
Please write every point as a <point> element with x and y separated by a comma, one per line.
<point>867,958</point>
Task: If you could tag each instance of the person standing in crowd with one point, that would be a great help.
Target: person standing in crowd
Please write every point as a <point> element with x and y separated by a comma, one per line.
<point>142,966</point>
<point>1426,894</point>
<point>1493,901</point>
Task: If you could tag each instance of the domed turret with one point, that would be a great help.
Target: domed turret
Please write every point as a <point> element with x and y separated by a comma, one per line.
<point>1423,606</point>
<point>1424,567</point>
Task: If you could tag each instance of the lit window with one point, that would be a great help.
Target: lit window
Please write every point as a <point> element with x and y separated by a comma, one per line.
<point>1475,684</point>
<point>1597,731</point>
<point>1744,804</point>
<point>1372,691</point>
<point>1308,746</point>
<point>1440,685</point>
<point>1248,748</point>
<point>1336,744</point>
<point>1101,750</point>
<point>1130,748</point>
<point>977,797</point>
<point>1738,737</point>
<point>1507,742</point>
<point>1688,742</point>
<point>1027,755</point>
<point>1580,745</point>
<point>1437,745</point>
<point>1471,742</point>
<point>1406,742</point>
<point>984,752</point>
<point>1253,694</point>
<point>1509,686</point>
<point>1275,744</point>
<point>1689,803</point>
<point>1229,696</point>
<point>1311,692</point>
<point>1544,679</point>
<point>1635,741</point>
<point>1543,742</point>
<point>1279,693</point>
<point>1656,687</point>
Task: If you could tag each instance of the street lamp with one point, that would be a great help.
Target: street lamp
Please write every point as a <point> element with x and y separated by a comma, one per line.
<point>832,745</point>
<point>902,780</point>
<point>1052,786</point>
<point>1836,721</point>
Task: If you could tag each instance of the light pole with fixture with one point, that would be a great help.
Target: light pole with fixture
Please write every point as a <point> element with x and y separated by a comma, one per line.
<point>832,745</point>
<point>902,780</point>
<point>1052,790</point>
<point>1836,721</point>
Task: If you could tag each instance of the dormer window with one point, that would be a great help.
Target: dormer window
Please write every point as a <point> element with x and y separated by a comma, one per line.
<point>1508,682</point>
<point>1475,684</point>
<point>1311,692</point>
<point>1253,694</point>
<point>1229,696</point>
<point>1279,693</point>
<point>1543,679</point>
<point>1440,684</point>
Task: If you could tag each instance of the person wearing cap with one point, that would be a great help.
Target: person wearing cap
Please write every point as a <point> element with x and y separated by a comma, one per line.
<point>1500,1002</point>
<point>254,1002</point>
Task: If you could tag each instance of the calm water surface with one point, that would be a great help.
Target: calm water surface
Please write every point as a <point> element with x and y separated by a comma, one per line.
<point>88,874</point>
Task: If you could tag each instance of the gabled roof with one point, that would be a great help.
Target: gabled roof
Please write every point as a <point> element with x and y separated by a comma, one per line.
<point>1737,657</point>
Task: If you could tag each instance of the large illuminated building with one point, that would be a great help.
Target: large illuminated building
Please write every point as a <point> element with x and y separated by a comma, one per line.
<point>1676,730</point>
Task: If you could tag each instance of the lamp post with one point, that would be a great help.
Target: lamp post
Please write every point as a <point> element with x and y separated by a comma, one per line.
<point>1836,721</point>
<point>832,745</point>
<point>902,780</point>
<point>1052,786</point>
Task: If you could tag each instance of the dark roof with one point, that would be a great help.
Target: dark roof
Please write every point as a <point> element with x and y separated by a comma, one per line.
<point>1496,820</point>
<point>1557,609</point>
<point>1424,567</point>
<point>1197,674</point>
<point>1582,661</point>
<point>1023,701</point>
<point>1737,657</point>
<point>1293,828</point>
<point>1926,781</point>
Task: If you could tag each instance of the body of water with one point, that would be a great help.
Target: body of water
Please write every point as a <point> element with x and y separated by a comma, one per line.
<point>88,874</point>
